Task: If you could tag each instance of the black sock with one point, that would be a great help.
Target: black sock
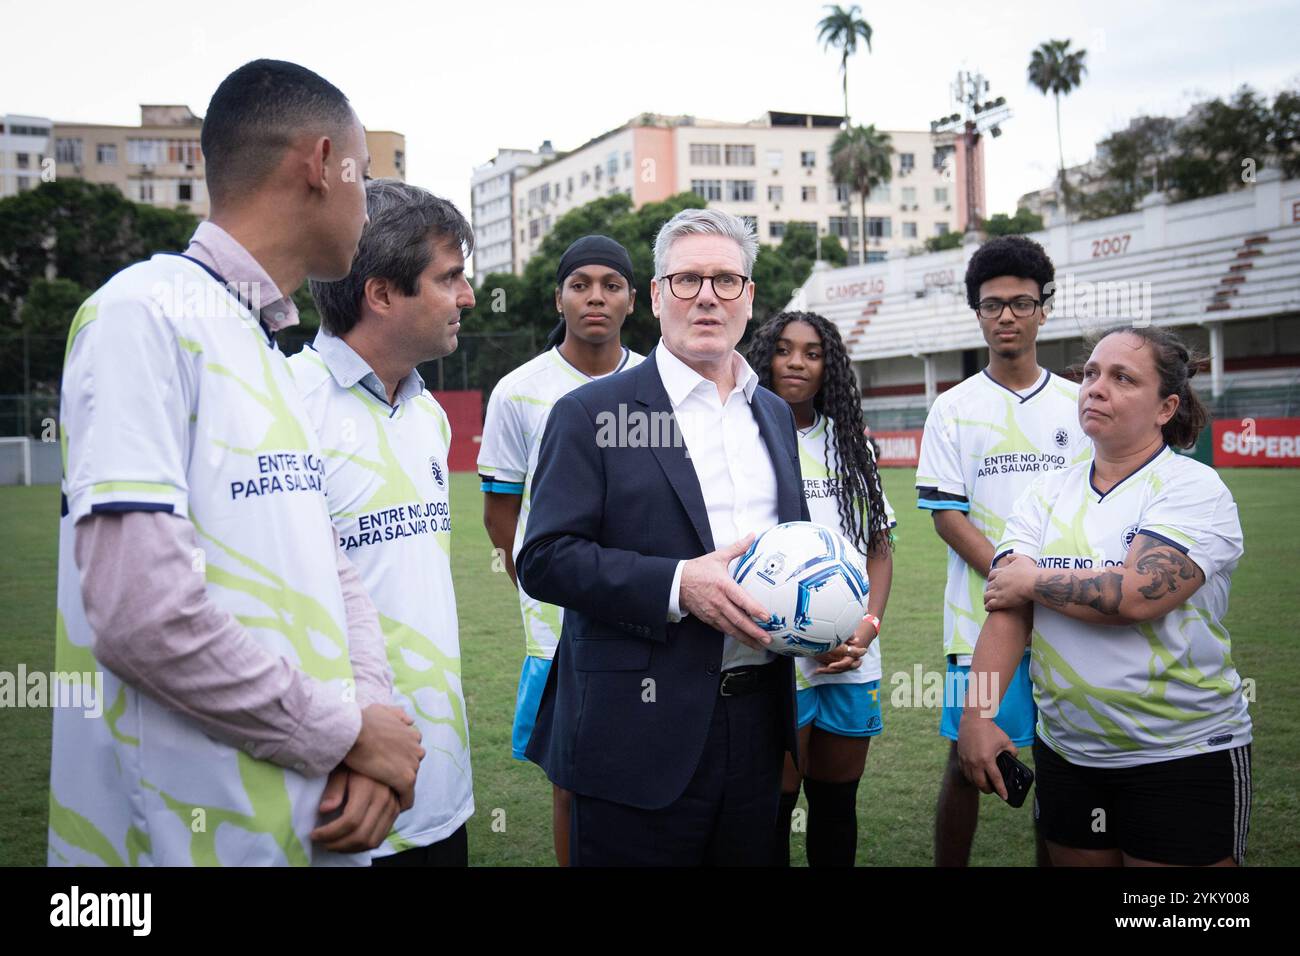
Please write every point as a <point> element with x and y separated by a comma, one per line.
<point>832,822</point>
<point>781,847</point>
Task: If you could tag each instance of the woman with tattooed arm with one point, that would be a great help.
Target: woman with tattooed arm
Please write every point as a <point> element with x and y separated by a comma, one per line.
<point>1119,568</point>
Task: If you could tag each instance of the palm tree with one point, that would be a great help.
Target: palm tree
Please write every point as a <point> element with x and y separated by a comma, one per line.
<point>861,158</point>
<point>842,29</point>
<point>1056,69</point>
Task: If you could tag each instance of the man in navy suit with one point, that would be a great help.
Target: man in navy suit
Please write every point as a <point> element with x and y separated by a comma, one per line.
<point>664,712</point>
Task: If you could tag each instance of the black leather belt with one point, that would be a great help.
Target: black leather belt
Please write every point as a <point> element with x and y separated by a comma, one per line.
<point>739,681</point>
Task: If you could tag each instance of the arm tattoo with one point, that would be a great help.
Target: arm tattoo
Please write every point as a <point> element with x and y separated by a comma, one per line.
<point>1165,566</point>
<point>1103,592</point>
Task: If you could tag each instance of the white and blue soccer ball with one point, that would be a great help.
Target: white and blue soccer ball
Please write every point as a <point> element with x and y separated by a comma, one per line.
<point>812,582</point>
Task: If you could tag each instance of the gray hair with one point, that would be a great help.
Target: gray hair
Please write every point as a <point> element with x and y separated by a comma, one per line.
<point>706,222</point>
<point>394,245</point>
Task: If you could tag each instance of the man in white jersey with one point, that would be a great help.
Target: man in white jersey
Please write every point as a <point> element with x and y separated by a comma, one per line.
<point>385,442</point>
<point>594,294</point>
<point>243,661</point>
<point>985,440</point>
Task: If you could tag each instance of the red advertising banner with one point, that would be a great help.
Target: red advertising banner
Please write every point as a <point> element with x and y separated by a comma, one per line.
<point>899,449</point>
<point>465,412</point>
<point>1257,443</point>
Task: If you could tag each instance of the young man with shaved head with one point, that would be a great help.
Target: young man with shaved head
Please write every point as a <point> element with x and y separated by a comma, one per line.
<point>246,693</point>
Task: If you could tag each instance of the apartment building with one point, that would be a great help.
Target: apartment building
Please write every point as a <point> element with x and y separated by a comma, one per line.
<point>387,154</point>
<point>774,171</point>
<point>638,159</point>
<point>492,208</point>
<point>24,148</point>
<point>1047,203</point>
<point>160,161</point>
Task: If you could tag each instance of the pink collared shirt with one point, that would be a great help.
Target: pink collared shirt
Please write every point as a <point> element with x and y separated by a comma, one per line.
<point>220,252</point>
<point>161,631</point>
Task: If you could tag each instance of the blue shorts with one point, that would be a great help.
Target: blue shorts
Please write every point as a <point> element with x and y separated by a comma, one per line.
<point>1016,716</point>
<point>532,681</point>
<point>848,710</point>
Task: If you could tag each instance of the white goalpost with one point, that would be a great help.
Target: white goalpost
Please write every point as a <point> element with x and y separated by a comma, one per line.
<point>24,445</point>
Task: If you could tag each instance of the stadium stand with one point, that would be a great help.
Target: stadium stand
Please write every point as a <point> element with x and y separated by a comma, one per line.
<point>1225,270</point>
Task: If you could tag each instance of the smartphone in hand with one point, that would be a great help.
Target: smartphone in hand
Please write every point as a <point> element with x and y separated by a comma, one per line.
<point>1016,777</point>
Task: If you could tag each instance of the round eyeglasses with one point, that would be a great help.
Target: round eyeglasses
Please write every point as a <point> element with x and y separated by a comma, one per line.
<point>1022,307</point>
<point>687,285</point>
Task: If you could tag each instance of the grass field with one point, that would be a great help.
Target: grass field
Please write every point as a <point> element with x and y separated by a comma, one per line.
<point>897,797</point>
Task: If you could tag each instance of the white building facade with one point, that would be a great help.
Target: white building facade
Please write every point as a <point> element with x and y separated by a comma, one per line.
<point>24,149</point>
<point>492,209</point>
<point>774,171</point>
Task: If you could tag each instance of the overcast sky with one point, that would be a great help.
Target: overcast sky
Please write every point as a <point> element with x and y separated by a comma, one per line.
<point>462,79</point>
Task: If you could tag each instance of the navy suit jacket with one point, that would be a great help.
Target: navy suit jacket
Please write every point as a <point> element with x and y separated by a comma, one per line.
<point>630,697</point>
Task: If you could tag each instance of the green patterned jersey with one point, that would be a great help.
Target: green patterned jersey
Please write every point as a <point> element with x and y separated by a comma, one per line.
<point>174,400</point>
<point>982,446</point>
<point>512,436</point>
<point>1120,696</point>
<point>386,480</point>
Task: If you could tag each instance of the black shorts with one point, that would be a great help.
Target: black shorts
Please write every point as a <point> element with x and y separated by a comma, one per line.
<point>452,850</point>
<point>1191,811</point>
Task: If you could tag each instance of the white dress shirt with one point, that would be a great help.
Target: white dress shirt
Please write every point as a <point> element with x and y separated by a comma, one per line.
<point>731,463</point>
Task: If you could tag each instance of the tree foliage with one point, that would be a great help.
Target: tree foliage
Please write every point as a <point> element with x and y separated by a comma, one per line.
<point>949,240</point>
<point>861,158</point>
<point>31,349</point>
<point>842,29</point>
<point>1214,138</point>
<point>1216,147</point>
<point>999,225</point>
<point>58,243</point>
<point>1022,222</point>
<point>84,232</point>
<point>1055,68</point>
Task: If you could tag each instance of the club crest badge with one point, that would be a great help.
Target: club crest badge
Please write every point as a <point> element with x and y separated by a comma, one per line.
<point>1129,534</point>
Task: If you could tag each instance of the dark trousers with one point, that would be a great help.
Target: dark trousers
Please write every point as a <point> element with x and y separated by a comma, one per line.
<point>725,817</point>
<point>451,851</point>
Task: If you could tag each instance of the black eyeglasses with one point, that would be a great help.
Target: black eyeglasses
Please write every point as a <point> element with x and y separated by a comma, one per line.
<point>687,285</point>
<point>1022,307</point>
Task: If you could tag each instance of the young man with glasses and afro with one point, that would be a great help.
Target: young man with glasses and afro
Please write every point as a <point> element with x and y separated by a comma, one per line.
<point>985,441</point>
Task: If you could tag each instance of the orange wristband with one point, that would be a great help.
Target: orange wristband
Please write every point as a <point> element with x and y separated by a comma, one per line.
<point>875,621</point>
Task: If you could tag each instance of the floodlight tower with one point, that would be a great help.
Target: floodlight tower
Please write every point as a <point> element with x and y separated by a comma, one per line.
<point>976,114</point>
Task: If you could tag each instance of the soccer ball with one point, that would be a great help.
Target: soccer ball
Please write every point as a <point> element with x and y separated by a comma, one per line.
<point>812,582</point>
